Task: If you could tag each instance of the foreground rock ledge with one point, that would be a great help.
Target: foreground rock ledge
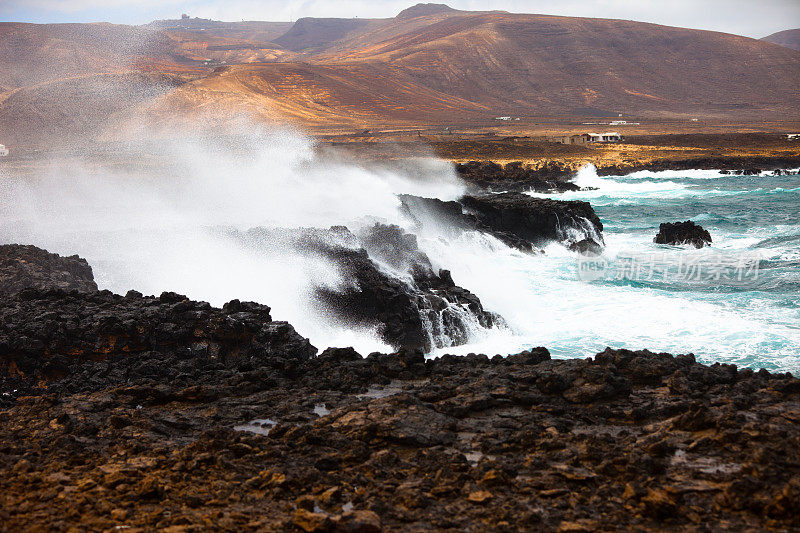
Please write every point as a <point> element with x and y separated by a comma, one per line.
<point>630,440</point>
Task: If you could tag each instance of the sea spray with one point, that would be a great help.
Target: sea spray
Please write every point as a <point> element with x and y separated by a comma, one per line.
<point>152,217</point>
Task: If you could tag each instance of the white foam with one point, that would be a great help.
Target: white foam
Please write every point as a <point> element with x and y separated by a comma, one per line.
<point>156,227</point>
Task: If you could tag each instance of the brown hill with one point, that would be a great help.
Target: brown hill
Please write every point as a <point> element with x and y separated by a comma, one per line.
<point>787,38</point>
<point>68,112</point>
<point>540,65</point>
<point>313,33</point>
<point>248,30</point>
<point>35,53</point>
<point>429,65</point>
<point>421,10</point>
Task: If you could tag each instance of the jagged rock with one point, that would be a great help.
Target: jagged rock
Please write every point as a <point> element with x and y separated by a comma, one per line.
<point>683,233</point>
<point>586,247</point>
<point>25,266</point>
<point>515,176</point>
<point>51,335</point>
<point>519,220</point>
<point>450,443</point>
<point>422,314</point>
<point>429,310</point>
<point>537,220</point>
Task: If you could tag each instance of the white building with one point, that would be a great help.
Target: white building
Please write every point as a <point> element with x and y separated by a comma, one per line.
<point>3,150</point>
<point>793,136</point>
<point>608,137</point>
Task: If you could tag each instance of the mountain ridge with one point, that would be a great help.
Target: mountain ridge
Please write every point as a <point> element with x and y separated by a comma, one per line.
<point>787,38</point>
<point>431,65</point>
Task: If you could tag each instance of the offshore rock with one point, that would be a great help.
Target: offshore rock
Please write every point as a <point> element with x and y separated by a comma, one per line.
<point>537,220</point>
<point>677,233</point>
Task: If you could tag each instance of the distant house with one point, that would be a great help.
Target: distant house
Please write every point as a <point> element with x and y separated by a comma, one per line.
<point>609,137</point>
<point>502,118</point>
<point>584,138</point>
<point>793,136</point>
<point>3,151</point>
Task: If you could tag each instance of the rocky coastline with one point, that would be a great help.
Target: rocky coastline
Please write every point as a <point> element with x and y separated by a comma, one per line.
<point>752,165</point>
<point>148,413</point>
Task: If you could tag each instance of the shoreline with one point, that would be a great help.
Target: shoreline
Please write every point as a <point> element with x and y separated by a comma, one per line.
<point>162,412</point>
<point>149,412</point>
<point>261,434</point>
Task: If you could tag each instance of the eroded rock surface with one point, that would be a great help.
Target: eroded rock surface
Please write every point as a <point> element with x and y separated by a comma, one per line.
<point>537,220</point>
<point>391,285</point>
<point>515,176</point>
<point>519,220</point>
<point>630,440</point>
<point>23,266</point>
<point>152,413</point>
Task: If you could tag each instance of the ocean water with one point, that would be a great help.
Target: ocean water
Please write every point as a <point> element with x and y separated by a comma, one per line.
<point>754,322</point>
<point>161,226</point>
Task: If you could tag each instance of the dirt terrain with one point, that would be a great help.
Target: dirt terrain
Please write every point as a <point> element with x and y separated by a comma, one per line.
<point>732,151</point>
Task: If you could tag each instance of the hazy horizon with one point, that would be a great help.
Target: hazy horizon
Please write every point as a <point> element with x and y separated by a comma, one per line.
<point>744,17</point>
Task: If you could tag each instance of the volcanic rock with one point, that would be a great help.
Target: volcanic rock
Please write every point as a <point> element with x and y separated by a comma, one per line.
<point>683,233</point>
<point>409,444</point>
<point>586,247</point>
<point>391,286</point>
<point>490,176</point>
<point>518,220</point>
<point>24,266</point>
<point>537,220</point>
<point>150,412</point>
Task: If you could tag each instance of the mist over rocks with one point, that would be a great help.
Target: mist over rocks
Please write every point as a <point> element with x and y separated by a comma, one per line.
<point>518,220</point>
<point>389,284</point>
<point>536,220</point>
<point>24,266</point>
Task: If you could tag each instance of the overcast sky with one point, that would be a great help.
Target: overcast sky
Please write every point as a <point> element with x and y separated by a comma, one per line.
<point>754,18</point>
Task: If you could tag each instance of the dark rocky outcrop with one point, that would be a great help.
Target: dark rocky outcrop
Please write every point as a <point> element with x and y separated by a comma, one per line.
<point>50,335</point>
<point>536,220</point>
<point>751,165</point>
<point>587,247</point>
<point>429,310</point>
<point>631,440</point>
<point>23,266</point>
<point>515,176</point>
<point>677,233</point>
<point>519,220</point>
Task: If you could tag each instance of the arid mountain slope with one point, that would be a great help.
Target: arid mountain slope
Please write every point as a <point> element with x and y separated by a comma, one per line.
<point>787,38</point>
<point>35,53</point>
<point>428,65</point>
<point>535,64</point>
<point>347,95</point>
<point>70,111</point>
